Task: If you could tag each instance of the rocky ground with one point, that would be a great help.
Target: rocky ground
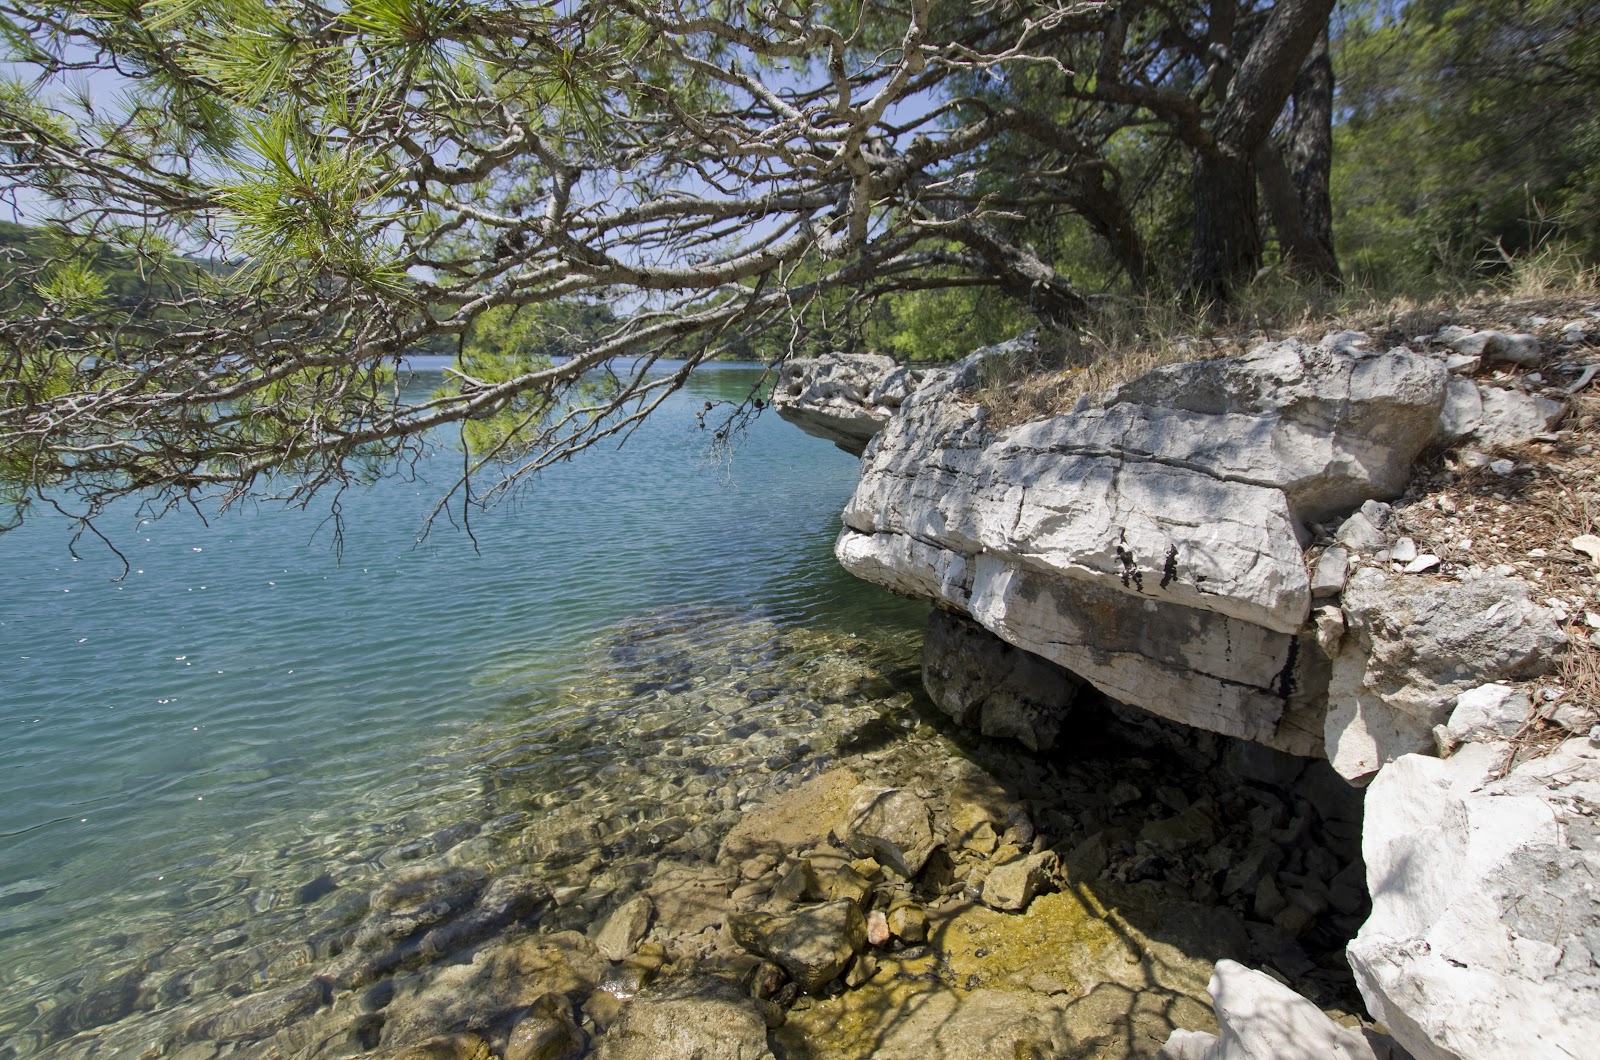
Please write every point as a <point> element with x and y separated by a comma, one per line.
<point>1527,508</point>
<point>941,896</point>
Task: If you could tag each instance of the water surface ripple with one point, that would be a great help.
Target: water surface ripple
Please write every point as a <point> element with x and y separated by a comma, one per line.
<point>245,707</point>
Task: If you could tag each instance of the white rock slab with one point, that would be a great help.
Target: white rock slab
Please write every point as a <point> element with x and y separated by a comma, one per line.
<point>1484,919</point>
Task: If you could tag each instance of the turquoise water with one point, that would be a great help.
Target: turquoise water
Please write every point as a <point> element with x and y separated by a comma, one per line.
<point>185,747</point>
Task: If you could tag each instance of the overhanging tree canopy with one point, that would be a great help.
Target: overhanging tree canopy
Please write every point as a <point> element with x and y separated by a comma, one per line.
<point>382,174</point>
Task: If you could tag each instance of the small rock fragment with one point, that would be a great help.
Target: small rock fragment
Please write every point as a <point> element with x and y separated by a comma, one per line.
<point>813,944</point>
<point>877,928</point>
<point>1488,712</point>
<point>1421,564</point>
<point>1403,550</point>
<point>908,922</point>
<point>1012,886</point>
<point>1589,545</point>
<point>1359,534</point>
<point>1330,629</point>
<point>1333,567</point>
<point>1520,348</point>
<point>862,969</point>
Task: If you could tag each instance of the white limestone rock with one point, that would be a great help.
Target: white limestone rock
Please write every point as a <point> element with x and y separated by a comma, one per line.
<point>1358,534</point>
<point>1520,348</point>
<point>1494,416</point>
<point>1150,540</point>
<point>1411,646</point>
<point>1332,569</point>
<point>1200,668</point>
<point>1485,919</point>
<point>1261,1019</point>
<point>843,397</point>
<point>1488,712</point>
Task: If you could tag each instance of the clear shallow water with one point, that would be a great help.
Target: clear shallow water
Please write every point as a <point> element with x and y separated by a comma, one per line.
<point>187,750</point>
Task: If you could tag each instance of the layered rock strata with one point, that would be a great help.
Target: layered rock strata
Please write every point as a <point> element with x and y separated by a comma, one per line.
<point>1153,542</point>
<point>1150,541</point>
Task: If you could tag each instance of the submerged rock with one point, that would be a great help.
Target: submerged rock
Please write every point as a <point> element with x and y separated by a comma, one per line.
<point>703,1017</point>
<point>547,1031</point>
<point>446,1047</point>
<point>622,930</point>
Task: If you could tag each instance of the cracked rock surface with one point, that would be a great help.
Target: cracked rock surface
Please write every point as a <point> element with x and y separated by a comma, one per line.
<point>1149,541</point>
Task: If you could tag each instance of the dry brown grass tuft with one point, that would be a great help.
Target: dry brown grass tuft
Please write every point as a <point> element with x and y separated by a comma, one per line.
<point>1129,337</point>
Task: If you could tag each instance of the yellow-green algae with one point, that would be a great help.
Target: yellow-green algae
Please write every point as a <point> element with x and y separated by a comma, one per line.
<point>1116,991</point>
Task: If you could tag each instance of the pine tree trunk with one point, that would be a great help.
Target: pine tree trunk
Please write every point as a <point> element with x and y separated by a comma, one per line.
<point>1227,240</point>
<point>1311,153</point>
<point>1303,252</point>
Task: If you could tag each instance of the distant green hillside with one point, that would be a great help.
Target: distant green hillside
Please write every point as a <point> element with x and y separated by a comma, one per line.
<point>127,285</point>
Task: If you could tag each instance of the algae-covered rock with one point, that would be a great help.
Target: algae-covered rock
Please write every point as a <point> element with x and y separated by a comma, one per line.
<point>703,1017</point>
<point>814,944</point>
<point>622,930</point>
<point>547,1032</point>
<point>892,826</point>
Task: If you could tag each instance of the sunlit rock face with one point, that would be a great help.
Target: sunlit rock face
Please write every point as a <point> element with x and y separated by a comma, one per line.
<point>844,397</point>
<point>1484,920</point>
<point>1150,541</point>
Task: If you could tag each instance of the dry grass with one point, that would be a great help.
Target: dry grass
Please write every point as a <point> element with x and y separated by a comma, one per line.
<point>1129,337</point>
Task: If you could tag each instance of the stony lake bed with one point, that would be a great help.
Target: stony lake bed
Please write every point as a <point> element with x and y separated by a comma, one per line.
<point>780,836</point>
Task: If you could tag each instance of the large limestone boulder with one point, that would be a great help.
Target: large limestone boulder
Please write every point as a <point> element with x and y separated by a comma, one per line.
<point>843,397</point>
<point>1485,917</point>
<point>1150,541</point>
<point>1411,646</point>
